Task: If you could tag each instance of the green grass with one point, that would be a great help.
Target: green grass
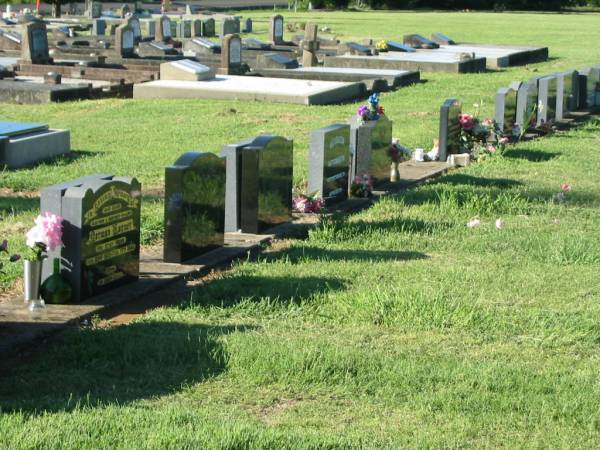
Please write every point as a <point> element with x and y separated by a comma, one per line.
<point>398,327</point>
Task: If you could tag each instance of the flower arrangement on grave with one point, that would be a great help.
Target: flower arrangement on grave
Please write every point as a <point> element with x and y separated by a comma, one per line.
<point>362,186</point>
<point>382,46</point>
<point>481,138</point>
<point>373,110</point>
<point>398,153</point>
<point>5,255</point>
<point>311,203</point>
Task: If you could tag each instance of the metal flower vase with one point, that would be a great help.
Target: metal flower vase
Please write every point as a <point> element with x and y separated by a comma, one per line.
<point>32,280</point>
<point>394,172</point>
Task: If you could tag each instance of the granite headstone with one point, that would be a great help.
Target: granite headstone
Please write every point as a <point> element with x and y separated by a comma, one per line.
<point>450,128</point>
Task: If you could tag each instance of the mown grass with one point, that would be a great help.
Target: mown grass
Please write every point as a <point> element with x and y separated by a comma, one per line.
<point>396,327</point>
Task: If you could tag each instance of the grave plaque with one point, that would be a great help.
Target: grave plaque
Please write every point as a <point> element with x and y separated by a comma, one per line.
<point>506,109</point>
<point>589,80</point>
<point>163,29</point>
<point>259,183</point>
<point>124,41</point>
<point>370,143</point>
<point>34,48</point>
<point>546,100</point>
<point>418,41</point>
<point>442,39</point>
<point>194,206</point>
<point>276,30</point>
<point>394,46</point>
<point>208,28</point>
<point>231,55</point>
<point>527,104</point>
<point>449,140</point>
<point>567,93</point>
<point>99,27</point>
<point>101,234</point>
<point>329,162</point>
<point>352,48</point>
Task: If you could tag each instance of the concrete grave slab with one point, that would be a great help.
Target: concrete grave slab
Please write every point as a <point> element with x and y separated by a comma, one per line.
<point>186,70</point>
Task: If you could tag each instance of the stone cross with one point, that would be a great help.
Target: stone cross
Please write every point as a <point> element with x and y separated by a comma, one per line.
<point>310,45</point>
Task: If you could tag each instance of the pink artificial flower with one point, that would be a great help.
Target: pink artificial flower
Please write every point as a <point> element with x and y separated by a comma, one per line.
<point>317,205</point>
<point>488,122</point>
<point>380,110</point>
<point>47,231</point>
<point>301,204</point>
<point>467,122</point>
<point>491,148</point>
<point>504,141</point>
<point>566,187</point>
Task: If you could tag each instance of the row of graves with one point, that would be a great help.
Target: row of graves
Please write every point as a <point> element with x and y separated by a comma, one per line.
<point>527,108</point>
<point>245,189</point>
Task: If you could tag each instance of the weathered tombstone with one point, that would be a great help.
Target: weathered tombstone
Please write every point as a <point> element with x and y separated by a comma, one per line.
<point>276,30</point>
<point>124,41</point>
<point>449,139</point>
<point>229,26</point>
<point>34,48</point>
<point>208,27</point>
<point>442,39</point>
<point>276,60</point>
<point>310,45</point>
<point>196,28</point>
<point>352,48</point>
<point>163,29</point>
<point>546,100</point>
<point>134,23</point>
<point>589,80</point>
<point>527,104</point>
<point>394,46</point>
<point>101,234</point>
<point>418,41</point>
<point>567,93</point>
<point>259,183</point>
<point>184,29</point>
<point>231,55</point>
<point>370,143</point>
<point>99,27</point>
<point>194,206</point>
<point>506,109</point>
<point>248,25</point>
<point>329,162</point>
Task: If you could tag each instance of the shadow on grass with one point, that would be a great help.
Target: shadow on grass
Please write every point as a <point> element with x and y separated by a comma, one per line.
<point>61,160</point>
<point>116,366</point>
<point>293,289</point>
<point>470,180</point>
<point>531,155</point>
<point>296,255</point>
<point>17,204</point>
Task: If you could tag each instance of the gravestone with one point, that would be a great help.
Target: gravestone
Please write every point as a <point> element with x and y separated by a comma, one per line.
<point>196,28</point>
<point>370,142</point>
<point>99,27</point>
<point>329,162</point>
<point>93,10</point>
<point>589,89</point>
<point>547,87</point>
<point>418,41</point>
<point>163,29</point>
<point>101,234</point>
<point>134,23</point>
<point>394,46</point>
<point>124,11</point>
<point>194,206</point>
<point>506,109</point>
<point>34,48</point>
<point>352,48</point>
<point>148,27</point>
<point>449,139</point>
<point>276,30</point>
<point>208,28</point>
<point>124,41</point>
<point>259,183</point>
<point>567,98</point>
<point>229,26</point>
<point>527,104</point>
<point>442,39</point>
<point>310,45</point>
<point>248,26</point>
<point>276,60</point>
<point>184,29</point>
<point>231,55</point>
<point>203,46</point>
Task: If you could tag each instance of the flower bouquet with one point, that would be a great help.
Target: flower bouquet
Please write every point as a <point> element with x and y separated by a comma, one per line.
<point>382,46</point>
<point>308,203</point>
<point>362,186</point>
<point>372,111</point>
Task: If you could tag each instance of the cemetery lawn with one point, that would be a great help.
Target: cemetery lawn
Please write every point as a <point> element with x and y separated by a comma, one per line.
<point>396,327</point>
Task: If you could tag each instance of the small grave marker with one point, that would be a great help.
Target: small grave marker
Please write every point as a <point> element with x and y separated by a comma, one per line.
<point>527,105</point>
<point>231,55</point>
<point>124,41</point>
<point>547,87</point>
<point>370,143</point>
<point>34,48</point>
<point>449,139</point>
<point>506,109</point>
<point>276,30</point>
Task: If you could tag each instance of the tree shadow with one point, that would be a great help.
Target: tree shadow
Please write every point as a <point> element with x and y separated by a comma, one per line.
<point>531,155</point>
<point>296,255</point>
<point>235,288</point>
<point>116,365</point>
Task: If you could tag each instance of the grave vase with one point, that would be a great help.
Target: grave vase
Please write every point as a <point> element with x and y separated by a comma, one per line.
<point>394,172</point>
<point>32,279</point>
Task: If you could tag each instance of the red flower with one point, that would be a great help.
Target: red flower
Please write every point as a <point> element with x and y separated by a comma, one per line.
<point>467,122</point>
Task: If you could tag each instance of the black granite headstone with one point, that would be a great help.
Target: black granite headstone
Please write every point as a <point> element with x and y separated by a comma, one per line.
<point>567,94</point>
<point>394,46</point>
<point>370,142</point>
<point>194,206</point>
<point>208,28</point>
<point>450,128</point>
<point>589,80</point>
<point>329,162</point>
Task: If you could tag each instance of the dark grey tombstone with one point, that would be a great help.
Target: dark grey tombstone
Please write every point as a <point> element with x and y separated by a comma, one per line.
<point>353,48</point>
<point>589,80</point>
<point>329,162</point>
<point>162,32</point>
<point>99,27</point>
<point>276,61</point>
<point>418,41</point>
<point>196,28</point>
<point>567,93</point>
<point>248,26</point>
<point>547,87</point>
<point>231,56</point>
<point>101,233</point>
<point>194,206</point>
<point>229,26</point>
<point>276,30</point>
<point>134,23</point>
<point>527,105</point>
<point>184,29</point>
<point>442,39</point>
<point>259,183</point>
<point>370,143</point>
<point>124,41</point>
<point>208,28</point>
<point>34,47</point>
<point>394,46</point>
<point>506,109</point>
<point>450,128</point>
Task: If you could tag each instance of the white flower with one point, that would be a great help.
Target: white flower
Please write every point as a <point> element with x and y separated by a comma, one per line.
<point>474,223</point>
<point>499,224</point>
